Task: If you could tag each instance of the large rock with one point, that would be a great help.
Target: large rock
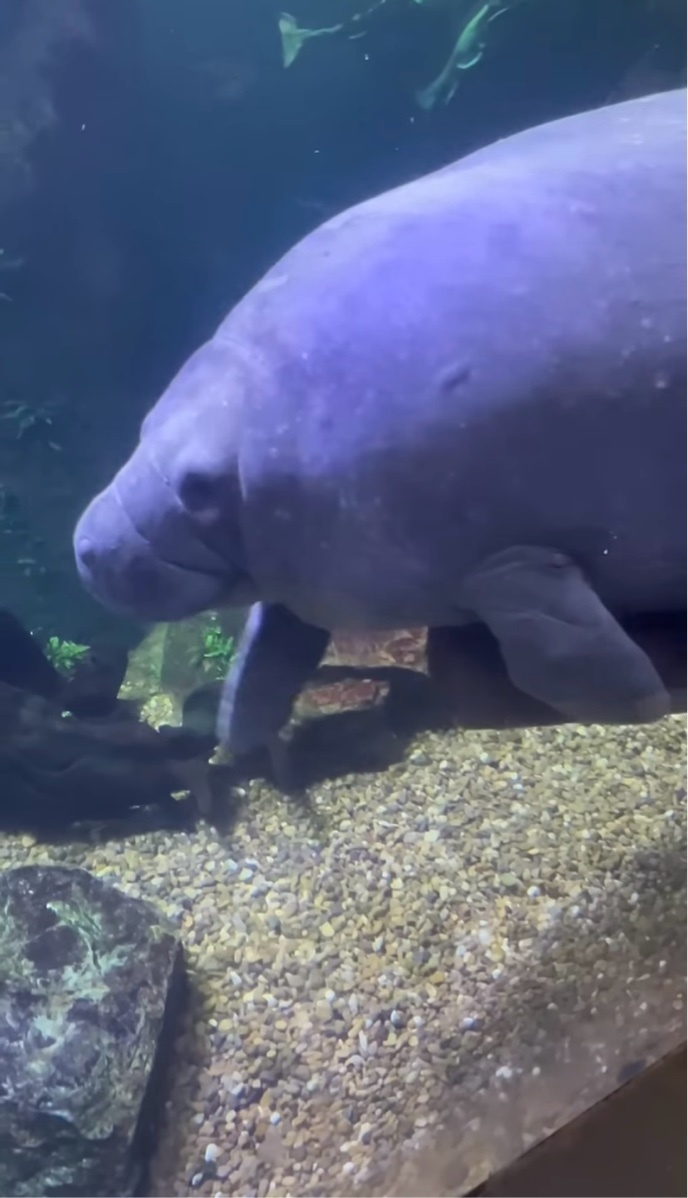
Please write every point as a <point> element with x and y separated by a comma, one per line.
<point>89,982</point>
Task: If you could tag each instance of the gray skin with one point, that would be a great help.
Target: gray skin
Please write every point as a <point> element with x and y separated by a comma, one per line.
<point>462,400</point>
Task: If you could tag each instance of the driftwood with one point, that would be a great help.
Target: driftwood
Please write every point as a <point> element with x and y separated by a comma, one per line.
<point>72,752</point>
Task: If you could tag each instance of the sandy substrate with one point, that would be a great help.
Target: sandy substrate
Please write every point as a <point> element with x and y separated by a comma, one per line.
<point>401,983</point>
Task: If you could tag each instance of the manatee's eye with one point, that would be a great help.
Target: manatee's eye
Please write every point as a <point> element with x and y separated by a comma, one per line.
<point>198,493</point>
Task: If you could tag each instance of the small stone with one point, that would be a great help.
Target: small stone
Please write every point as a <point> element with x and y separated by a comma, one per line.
<point>260,890</point>
<point>533,892</point>
<point>470,1023</point>
<point>327,930</point>
<point>397,1019</point>
<point>323,1010</point>
<point>365,1132</point>
<point>197,1180</point>
<point>211,1154</point>
<point>247,1170</point>
<point>509,881</point>
<point>437,977</point>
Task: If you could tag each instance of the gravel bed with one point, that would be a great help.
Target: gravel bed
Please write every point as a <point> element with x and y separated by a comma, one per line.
<point>406,980</point>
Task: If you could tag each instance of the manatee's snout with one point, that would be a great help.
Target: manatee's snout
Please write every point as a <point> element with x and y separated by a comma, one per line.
<point>137,552</point>
<point>120,569</point>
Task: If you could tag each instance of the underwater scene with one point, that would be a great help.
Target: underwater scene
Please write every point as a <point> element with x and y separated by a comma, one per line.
<point>343,548</point>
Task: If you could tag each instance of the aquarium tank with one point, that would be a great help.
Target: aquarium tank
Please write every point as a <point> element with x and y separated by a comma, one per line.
<point>342,795</point>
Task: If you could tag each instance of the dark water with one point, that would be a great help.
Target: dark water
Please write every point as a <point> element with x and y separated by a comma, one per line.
<point>166,158</point>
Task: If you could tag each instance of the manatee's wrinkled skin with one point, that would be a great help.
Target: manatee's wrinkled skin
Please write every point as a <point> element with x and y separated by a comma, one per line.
<point>488,361</point>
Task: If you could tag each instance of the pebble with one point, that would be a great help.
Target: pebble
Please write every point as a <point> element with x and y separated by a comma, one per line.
<point>470,1022</point>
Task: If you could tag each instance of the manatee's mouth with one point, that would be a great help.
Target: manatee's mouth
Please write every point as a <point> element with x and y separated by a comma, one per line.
<point>120,567</point>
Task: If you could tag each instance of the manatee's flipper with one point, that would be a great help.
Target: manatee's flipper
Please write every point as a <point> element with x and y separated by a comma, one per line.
<point>558,640</point>
<point>278,654</point>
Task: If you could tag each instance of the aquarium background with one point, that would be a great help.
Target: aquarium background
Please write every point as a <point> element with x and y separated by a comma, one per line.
<point>453,942</point>
<point>156,157</point>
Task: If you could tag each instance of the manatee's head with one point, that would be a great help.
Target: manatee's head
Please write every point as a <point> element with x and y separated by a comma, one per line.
<point>163,540</point>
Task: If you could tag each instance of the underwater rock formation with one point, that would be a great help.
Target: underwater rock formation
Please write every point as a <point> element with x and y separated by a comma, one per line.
<point>90,981</point>
<point>98,763</point>
<point>57,771</point>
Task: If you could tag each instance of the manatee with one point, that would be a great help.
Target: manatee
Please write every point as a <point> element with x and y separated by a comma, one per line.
<point>461,401</point>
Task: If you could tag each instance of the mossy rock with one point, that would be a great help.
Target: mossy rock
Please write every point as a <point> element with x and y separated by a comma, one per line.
<point>89,983</point>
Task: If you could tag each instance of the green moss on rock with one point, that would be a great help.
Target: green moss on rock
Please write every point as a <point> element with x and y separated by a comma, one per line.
<point>86,975</point>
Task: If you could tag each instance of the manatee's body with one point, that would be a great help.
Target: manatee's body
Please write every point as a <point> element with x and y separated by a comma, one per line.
<point>461,400</point>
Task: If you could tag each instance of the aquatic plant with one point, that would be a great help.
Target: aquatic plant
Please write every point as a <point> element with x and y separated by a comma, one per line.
<point>64,655</point>
<point>217,649</point>
<point>473,17</point>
